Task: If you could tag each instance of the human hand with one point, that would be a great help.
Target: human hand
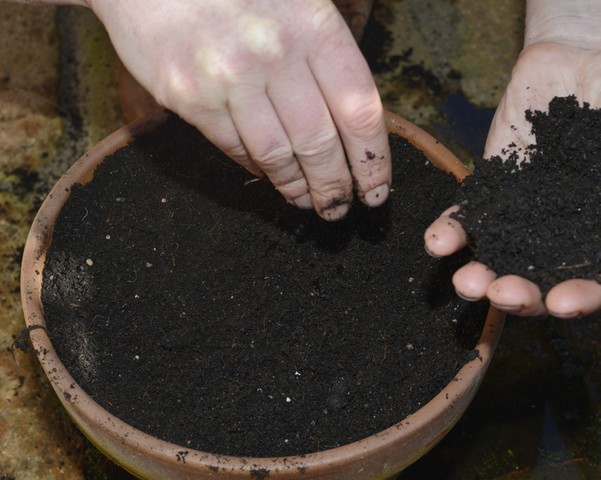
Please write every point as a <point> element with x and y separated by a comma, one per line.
<point>543,71</point>
<point>280,87</point>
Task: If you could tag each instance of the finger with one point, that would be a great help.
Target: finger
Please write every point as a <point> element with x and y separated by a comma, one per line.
<point>516,295</point>
<point>314,138</point>
<point>218,127</point>
<point>267,143</point>
<point>347,85</point>
<point>574,298</point>
<point>472,281</point>
<point>445,235</point>
<point>203,103</point>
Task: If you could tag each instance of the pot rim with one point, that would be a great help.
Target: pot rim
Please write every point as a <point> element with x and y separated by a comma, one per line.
<point>437,416</point>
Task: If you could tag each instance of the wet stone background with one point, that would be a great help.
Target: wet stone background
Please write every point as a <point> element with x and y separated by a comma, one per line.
<point>442,64</point>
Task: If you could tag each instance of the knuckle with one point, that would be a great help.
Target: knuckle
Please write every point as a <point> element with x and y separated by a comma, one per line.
<point>365,121</point>
<point>317,146</point>
<point>292,187</point>
<point>324,17</point>
<point>184,94</point>
<point>326,193</point>
<point>173,88</point>
<point>236,152</point>
<point>274,158</point>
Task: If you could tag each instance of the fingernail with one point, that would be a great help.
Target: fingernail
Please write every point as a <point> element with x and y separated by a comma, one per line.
<point>304,201</point>
<point>566,316</point>
<point>335,213</point>
<point>430,253</point>
<point>376,196</point>
<point>508,308</point>
<point>467,299</point>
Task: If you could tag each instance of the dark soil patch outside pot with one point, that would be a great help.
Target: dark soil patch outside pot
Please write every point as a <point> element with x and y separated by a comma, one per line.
<point>189,300</point>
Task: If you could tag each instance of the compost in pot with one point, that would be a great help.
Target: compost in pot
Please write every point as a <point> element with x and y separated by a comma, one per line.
<point>189,300</point>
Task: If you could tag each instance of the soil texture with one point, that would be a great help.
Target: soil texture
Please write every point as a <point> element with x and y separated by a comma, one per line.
<point>541,219</point>
<point>188,299</point>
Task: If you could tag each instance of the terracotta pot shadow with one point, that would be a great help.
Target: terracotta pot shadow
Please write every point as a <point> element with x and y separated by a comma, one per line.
<point>378,456</point>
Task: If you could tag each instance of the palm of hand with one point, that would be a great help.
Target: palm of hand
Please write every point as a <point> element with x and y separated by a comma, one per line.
<point>543,71</point>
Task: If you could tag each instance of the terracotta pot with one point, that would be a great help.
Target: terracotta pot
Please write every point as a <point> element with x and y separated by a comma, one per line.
<point>376,457</point>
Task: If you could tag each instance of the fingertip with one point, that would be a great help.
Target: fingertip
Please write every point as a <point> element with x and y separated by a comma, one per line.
<point>303,202</point>
<point>471,281</point>
<point>334,212</point>
<point>517,296</point>
<point>377,196</point>
<point>371,168</point>
<point>574,298</point>
<point>432,254</point>
<point>444,236</point>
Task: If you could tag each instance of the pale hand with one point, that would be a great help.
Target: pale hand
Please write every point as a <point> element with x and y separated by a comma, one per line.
<point>280,87</point>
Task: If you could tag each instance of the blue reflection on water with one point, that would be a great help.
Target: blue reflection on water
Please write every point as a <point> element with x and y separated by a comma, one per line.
<point>465,124</point>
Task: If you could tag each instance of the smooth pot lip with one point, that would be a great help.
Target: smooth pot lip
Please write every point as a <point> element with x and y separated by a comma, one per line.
<point>436,417</point>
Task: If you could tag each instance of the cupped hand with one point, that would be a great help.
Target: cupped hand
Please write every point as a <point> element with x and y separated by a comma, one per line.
<point>280,87</point>
<point>543,71</point>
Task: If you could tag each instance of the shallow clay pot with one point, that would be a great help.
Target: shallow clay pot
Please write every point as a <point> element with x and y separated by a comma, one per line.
<point>379,456</point>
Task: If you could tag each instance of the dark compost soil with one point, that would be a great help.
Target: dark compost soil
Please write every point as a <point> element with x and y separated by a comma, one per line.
<point>541,221</point>
<point>196,305</point>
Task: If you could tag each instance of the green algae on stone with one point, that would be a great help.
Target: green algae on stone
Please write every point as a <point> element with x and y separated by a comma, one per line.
<point>37,440</point>
<point>490,35</point>
<point>98,77</point>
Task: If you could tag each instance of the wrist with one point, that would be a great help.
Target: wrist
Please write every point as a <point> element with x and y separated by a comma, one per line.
<point>576,23</point>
